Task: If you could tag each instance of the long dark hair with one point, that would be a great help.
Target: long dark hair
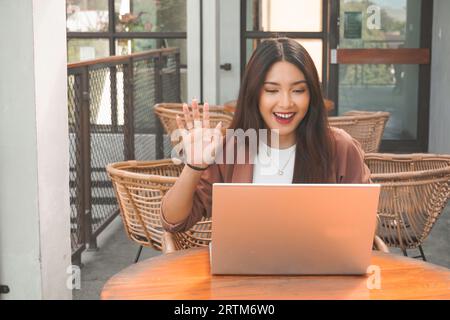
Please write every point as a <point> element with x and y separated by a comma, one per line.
<point>315,144</point>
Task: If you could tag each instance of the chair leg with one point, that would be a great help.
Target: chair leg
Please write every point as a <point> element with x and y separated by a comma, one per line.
<point>138,254</point>
<point>168,242</point>
<point>404,252</point>
<point>422,254</point>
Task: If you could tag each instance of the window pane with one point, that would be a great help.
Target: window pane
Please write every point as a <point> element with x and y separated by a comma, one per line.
<point>127,46</point>
<point>380,24</point>
<point>150,15</point>
<point>284,15</point>
<point>313,46</point>
<point>87,16</point>
<point>87,49</point>
<point>382,87</point>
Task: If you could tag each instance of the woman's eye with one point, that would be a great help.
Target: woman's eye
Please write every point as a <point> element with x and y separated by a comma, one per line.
<point>271,90</point>
<point>299,90</point>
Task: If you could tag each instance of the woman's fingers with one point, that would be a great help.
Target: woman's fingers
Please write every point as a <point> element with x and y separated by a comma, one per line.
<point>180,124</point>
<point>206,115</point>
<point>219,128</point>
<point>187,117</point>
<point>217,136</point>
<point>217,141</point>
<point>211,141</point>
<point>204,140</point>
<point>181,130</point>
<point>196,112</point>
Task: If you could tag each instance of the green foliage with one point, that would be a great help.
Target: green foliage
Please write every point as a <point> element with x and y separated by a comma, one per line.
<point>155,16</point>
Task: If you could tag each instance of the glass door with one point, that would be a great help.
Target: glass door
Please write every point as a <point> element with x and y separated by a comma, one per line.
<point>381,62</point>
<point>303,20</point>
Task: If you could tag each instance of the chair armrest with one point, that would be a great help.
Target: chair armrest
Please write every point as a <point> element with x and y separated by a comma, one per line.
<point>168,243</point>
<point>380,245</point>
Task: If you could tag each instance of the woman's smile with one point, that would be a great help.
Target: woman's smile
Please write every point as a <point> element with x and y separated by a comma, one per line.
<point>284,117</point>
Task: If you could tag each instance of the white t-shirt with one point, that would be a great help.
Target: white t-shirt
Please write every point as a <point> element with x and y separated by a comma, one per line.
<point>271,162</point>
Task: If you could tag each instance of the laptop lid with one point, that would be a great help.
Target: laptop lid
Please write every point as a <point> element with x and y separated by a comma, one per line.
<point>293,228</point>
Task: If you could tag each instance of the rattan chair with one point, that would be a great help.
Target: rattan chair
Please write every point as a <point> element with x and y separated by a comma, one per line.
<point>167,113</point>
<point>415,189</point>
<point>139,188</point>
<point>365,126</point>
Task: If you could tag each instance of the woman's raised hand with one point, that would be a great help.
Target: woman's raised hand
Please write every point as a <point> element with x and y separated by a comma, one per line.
<point>199,142</point>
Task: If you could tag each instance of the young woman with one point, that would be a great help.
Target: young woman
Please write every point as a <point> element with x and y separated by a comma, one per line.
<point>280,92</point>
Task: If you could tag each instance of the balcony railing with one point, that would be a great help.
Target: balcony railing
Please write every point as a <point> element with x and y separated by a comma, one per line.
<point>111,119</point>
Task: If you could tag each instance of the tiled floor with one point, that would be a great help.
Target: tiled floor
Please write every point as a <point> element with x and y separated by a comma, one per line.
<point>116,252</point>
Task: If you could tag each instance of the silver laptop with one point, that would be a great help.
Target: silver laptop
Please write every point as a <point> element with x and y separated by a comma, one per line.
<point>293,229</point>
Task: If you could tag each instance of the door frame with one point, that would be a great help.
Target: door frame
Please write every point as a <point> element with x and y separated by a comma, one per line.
<point>420,144</point>
<point>260,35</point>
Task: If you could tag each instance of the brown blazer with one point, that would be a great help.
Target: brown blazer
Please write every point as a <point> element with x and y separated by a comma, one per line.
<point>350,168</point>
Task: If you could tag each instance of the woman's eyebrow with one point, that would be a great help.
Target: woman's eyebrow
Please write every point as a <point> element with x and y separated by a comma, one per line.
<point>292,84</point>
<point>298,82</point>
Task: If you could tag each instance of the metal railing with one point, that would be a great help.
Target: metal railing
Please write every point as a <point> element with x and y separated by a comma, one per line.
<point>111,119</point>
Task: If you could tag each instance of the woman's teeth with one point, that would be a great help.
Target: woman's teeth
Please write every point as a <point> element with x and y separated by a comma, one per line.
<point>284,115</point>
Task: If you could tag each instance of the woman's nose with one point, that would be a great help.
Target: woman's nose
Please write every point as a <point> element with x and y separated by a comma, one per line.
<point>286,100</point>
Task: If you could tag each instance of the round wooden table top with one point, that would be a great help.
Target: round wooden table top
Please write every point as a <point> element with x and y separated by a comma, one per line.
<point>186,275</point>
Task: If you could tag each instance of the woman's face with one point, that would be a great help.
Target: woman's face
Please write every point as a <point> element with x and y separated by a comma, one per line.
<point>284,100</point>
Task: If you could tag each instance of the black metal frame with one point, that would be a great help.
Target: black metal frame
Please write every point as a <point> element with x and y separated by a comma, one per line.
<point>83,129</point>
<point>138,254</point>
<point>422,254</point>
<point>406,146</point>
<point>320,35</point>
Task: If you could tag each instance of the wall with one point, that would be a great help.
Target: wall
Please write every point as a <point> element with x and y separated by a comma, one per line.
<point>230,50</point>
<point>193,50</point>
<point>219,43</point>
<point>19,245</point>
<point>34,162</point>
<point>211,51</point>
<point>439,138</point>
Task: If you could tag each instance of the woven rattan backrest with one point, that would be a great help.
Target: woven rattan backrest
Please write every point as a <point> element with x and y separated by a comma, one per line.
<point>198,236</point>
<point>415,190</point>
<point>139,188</point>
<point>167,113</point>
<point>366,127</point>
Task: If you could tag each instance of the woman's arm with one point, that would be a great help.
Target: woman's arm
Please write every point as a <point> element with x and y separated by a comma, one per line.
<point>198,204</point>
<point>198,144</point>
<point>178,200</point>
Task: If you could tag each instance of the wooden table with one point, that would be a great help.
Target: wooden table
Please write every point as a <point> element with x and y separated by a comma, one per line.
<point>186,275</point>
